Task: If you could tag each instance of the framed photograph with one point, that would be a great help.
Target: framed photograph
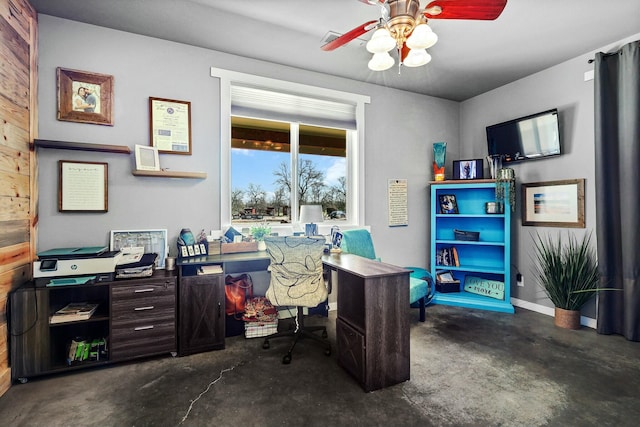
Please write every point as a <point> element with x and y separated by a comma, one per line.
<point>153,241</point>
<point>170,125</point>
<point>448,204</point>
<point>147,158</point>
<point>85,97</point>
<point>554,203</point>
<point>82,186</point>
<point>468,169</point>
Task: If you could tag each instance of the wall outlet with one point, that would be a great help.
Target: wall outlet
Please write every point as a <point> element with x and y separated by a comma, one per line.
<point>520,280</point>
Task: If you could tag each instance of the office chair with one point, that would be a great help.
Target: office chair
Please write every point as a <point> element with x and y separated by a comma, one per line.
<point>297,280</point>
<point>421,285</point>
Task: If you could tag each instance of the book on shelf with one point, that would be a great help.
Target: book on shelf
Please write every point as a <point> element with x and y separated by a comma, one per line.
<point>448,257</point>
<point>73,311</point>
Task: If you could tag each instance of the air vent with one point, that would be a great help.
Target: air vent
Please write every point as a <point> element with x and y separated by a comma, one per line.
<point>332,35</point>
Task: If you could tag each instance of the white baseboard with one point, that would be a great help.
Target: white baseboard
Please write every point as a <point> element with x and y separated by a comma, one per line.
<point>549,311</point>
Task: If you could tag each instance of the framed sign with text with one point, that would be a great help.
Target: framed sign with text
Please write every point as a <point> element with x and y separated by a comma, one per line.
<point>82,186</point>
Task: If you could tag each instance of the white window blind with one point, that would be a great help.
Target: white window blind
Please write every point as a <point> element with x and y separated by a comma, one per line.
<point>263,103</point>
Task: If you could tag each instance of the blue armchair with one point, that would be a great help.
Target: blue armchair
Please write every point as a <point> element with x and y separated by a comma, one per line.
<point>421,285</point>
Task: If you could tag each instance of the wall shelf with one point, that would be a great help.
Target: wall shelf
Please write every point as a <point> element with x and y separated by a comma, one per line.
<point>81,146</point>
<point>170,174</point>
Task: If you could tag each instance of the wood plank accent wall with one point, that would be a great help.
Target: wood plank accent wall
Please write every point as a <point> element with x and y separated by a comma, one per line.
<point>18,124</point>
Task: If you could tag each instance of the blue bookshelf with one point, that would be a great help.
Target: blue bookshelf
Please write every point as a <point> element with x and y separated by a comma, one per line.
<point>488,258</point>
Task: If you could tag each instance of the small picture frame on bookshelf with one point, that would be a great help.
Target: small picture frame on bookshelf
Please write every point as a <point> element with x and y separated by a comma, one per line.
<point>448,204</point>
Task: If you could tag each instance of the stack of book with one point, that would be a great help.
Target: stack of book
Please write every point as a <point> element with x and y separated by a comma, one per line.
<point>73,312</point>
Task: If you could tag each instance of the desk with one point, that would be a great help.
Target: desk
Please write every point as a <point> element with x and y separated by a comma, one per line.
<point>372,326</point>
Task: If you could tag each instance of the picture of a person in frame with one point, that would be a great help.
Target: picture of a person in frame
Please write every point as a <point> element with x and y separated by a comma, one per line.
<point>448,204</point>
<point>85,97</point>
<point>468,170</point>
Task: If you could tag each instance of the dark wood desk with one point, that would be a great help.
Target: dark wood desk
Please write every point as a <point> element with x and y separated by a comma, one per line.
<point>372,326</point>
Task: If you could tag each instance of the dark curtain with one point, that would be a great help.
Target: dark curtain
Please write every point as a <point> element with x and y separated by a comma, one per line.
<point>617,150</point>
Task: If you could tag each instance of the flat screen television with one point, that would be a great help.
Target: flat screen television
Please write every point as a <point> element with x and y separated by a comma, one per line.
<point>527,138</point>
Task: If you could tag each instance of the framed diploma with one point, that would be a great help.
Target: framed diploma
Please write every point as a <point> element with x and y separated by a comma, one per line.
<point>170,125</point>
<point>82,186</point>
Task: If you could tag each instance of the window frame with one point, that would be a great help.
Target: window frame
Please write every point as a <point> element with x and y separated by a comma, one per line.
<point>355,139</point>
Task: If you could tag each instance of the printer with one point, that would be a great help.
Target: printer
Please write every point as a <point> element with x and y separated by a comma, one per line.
<point>79,261</point>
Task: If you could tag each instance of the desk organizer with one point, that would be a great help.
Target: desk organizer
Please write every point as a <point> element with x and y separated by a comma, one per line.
<point>230,248</point>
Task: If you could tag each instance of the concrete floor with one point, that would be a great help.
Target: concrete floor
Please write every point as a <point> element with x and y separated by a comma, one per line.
<point>468,368</point>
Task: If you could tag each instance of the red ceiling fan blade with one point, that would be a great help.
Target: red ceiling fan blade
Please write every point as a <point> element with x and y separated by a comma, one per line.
<point>485,10</point>
<point>347,37</point>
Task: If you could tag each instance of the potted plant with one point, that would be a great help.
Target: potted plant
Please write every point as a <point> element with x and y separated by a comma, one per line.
<point>567,271</point>
<point>258,232</point>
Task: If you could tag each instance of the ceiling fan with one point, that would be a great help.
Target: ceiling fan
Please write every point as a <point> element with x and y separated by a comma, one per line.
<point>403,26</point>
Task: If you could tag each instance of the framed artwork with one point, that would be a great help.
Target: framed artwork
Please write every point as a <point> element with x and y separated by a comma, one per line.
<point>554,203</point>
<point>147,158</point>
<point>448,204</point>
<point>82,186</point>
<point>170,125</point>
<point>153,241</point>
<point>85,97</point>
<point>468,169</point>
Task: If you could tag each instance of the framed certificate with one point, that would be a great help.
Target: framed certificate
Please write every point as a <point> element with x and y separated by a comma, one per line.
<point>170,125</point>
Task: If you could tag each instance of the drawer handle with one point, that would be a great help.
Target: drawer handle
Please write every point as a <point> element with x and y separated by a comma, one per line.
<point>149,307</point>
<point>137,291</point>
<point>143,328</point>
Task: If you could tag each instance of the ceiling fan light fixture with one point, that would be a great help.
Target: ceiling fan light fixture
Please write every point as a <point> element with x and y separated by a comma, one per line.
<point>381,41</point>
<point>381,61</point>
<point>422,37</point>
<point>417,58</point>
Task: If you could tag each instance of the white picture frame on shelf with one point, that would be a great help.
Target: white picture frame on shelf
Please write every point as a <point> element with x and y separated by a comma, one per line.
<point>153,241</point>
<point>147,158</point>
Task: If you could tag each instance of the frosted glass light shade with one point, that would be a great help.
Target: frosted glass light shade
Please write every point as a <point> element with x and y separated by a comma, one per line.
<point>416,58</point>
<point>422,37</point>
<point>381,41</point>
<point>381,61</point>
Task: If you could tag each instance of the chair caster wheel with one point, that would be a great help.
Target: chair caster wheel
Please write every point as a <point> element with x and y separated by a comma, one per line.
<point>286,359</point>
<point>266,345</point>
<point>324,334</point>
<point>327,352</point>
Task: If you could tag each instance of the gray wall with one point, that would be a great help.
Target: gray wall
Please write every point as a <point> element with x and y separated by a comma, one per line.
<point>564,87</point>
<point>400,128</point>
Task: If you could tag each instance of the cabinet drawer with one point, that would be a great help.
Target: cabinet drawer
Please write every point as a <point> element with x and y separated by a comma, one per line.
<point>130,340</point>
<point>351,350</point>
<point>141,290</point>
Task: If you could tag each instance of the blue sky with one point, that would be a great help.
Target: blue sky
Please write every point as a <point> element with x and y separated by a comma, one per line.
<point>257,166</point>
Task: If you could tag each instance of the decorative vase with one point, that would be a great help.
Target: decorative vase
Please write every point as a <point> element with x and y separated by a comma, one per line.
<point>262,246</point>
<point>568,319</point>
<point>439,156</point>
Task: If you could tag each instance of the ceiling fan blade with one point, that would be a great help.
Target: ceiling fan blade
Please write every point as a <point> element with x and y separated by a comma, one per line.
<point>373,1</point>
<point>485,10</point>
<point>347,37</point>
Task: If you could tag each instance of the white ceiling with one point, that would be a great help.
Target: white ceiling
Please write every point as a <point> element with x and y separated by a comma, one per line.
<point>471,57</point>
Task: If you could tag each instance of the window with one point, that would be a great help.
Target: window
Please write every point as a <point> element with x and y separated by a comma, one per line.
<point>262,168</point>
<point>279,135</point>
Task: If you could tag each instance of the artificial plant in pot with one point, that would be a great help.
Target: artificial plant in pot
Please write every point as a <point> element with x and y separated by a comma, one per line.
<point>567,271</point>
<point>259,232</point>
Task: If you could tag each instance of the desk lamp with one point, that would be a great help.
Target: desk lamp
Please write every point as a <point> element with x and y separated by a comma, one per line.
<point>309,215</point>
